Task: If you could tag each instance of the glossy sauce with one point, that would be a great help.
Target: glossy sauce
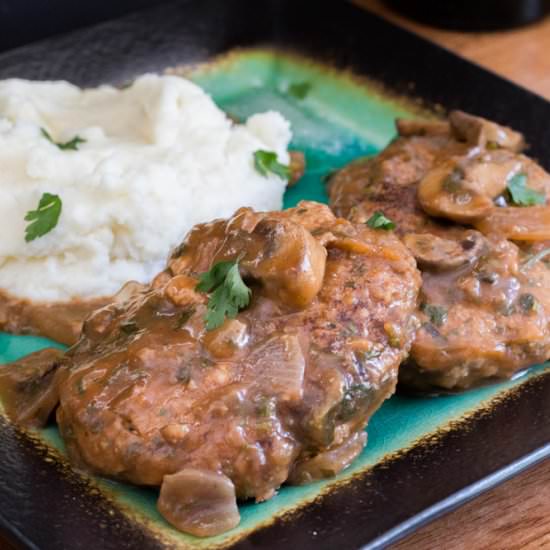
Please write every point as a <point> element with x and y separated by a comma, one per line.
<point>281,392</point>
<point>484,306</point>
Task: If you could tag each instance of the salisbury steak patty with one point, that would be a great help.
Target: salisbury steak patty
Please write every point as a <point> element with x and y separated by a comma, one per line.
<point>281,392</point>
<point>473,211</point>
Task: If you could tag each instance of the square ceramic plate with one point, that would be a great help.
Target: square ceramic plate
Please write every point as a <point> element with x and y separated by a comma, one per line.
<point>424,455</point>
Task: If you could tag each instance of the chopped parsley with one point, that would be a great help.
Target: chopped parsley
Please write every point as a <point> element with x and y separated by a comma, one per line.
<point>71,145</point>
<point>228,293</point>
<point>266,161</point>
<point>44,218</point>
<point>520,194</point>
<point>527,302</point>
<point>437,314</point>
<point>379,221</point>
<point>299,90</point>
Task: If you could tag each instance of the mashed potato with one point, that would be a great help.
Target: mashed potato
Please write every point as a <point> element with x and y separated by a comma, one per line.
<point>158,158</point>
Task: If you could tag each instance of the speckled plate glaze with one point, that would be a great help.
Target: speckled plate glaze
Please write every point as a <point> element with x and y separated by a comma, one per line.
<point>424,455</point>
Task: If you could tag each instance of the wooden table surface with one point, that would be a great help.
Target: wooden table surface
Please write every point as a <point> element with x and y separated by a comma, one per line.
<point>515,515</point>
<point>522,55</point>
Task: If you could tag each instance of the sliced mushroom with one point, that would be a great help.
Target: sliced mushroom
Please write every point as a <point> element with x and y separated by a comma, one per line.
<point>484,133</point>
<point>287,259</point>
<point>29,388</point>
<point>438,254</point>
<point>199,502</point>
<point>488,173</point>
<point>463,190</point>
<point>442,193</point>
<point>407,127</point>
<point>329,463</point>
<point>531,223</point>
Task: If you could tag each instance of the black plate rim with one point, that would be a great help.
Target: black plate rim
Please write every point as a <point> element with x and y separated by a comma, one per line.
<point>459,498</point>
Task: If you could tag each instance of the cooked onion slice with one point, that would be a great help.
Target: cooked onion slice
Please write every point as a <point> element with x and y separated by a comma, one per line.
<point>199,502</point>
<point>278,367</point>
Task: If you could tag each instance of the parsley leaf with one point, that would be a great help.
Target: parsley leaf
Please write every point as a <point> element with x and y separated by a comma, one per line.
<point>299,90</point>
<point>521,194</point>
<point>71,145</point>
<point>266,161</point>
<point>211,279</point>
<point>44,218</point>
<point>228,293</point>
<point>379,221</point>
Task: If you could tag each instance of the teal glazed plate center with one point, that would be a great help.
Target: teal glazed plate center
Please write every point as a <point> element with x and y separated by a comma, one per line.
<point>339,119</point>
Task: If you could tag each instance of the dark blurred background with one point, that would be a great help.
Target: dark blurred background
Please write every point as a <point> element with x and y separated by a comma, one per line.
<point>23,21</point>
<point>473,15</point>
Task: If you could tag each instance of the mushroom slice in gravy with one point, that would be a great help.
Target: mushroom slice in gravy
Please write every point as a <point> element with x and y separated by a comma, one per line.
<point>484,306</point>
<point>316,316</point>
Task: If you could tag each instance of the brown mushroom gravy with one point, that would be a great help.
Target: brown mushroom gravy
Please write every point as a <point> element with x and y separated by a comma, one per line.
<point>284,386</point>
<point>62,320</point>
<point>484,306</point>
<point>280,393</point>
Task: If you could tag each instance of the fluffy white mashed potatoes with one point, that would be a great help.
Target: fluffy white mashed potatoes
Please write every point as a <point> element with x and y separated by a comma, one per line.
<point>159,157</point>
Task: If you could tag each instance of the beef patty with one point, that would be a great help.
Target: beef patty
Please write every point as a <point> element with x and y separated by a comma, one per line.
<point>473,211</point>
<point>279,393</point>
